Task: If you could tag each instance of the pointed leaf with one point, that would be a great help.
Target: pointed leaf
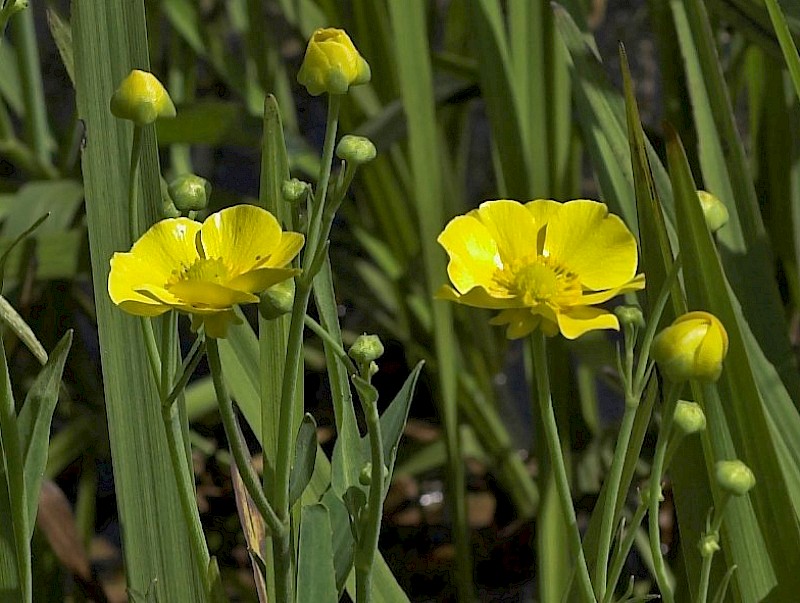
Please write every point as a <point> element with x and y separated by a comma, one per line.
<point>305,454</point>
<point>316,580</point>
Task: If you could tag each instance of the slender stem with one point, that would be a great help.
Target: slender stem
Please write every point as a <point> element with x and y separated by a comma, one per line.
<point>539,355</point>
<point>368,544</point>
<point>618,560</point>
<point>323,334</point>
<point>705,569</point>
<point>657,470</point>
<point>236,443</point>
<point>133,183</point>
<point>153,356</point>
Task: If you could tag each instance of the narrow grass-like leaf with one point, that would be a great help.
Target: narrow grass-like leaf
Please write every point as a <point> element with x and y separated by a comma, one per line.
<point>110,40</point>
<point>253,530</point>
<point>316,578</point>
<point>62,34</point>
<point>34,421</point>
<point>17,324</point>
<point>751,438</point>
<point>305,454</point>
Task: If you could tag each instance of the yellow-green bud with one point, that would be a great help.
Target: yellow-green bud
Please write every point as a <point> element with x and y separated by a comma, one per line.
<point>142,99</point>
<point>630,315</point>
<point>277,300</point>
<point>735,477</point>
<point>714,210</point>
<point>689,417</point>
<point>365,477</point>
<point>15,6</point>
<point>708,545</point>
<point>366,349</point>
<point>356,149</point>
<point>190,192</point>
<point>692,347</point>
<point>294,190</point>
<point>332,64</point>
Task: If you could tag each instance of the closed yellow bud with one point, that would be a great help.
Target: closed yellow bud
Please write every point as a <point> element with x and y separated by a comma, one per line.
<point>332,64</point>
<point>714,211</point>
<point>142,99</point>
<point>692,347</point>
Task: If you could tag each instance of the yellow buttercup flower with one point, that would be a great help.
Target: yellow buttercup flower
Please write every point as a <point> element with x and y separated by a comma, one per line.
<point>692,347</point>
<point>543,264</point>
<point>204,270</point>
<point>332,64</point>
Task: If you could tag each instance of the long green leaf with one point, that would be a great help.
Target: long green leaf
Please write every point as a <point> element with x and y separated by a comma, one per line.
<point>316,582</point>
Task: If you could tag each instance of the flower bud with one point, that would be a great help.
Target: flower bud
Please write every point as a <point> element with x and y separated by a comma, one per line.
<point>708,545</point>
<point>689,417</point>
<point>332,64</point>
<point>365,477</point>
<point>277,300</point>
<point>692,347</point>
<point>366,349</point>
<point>735,477</point>
<point>714,210</point>
<point>294,191</point>
<point>190,192</point>
<point>142,99</point>
<point>630,315</point>
<point>356,149</point>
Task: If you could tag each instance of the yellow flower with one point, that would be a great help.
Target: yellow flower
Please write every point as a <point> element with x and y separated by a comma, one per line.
<point>692,347</point>
<point>142,99</point>
<point>332,64</point>
<point>204,270</point>
<point>544,264</point>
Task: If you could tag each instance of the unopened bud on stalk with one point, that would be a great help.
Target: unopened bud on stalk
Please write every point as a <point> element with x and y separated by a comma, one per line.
<point>689,417</point>
<point>735,477</point>
<point>692,347</point>
<point>366,349</point>
<point>708,545</point>
<point>714,210</point>
<point>356,149</point>
<point>142,99</point>
<point>294,191</point>
<point>277,300</point>
<point>365,477</point>
<point>630,315</point>
<point>332,64</point>
<point>190,192</point>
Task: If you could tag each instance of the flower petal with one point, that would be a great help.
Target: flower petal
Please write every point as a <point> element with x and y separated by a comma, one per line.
<point>473,253</point>
<point>167,246</point>
<point>595,245</point>
<point>290,245</point>
<point>243,236</point>
<point>477,297</point>
<point>511,226</point>
<point>261,279</point>
<point>578,320</point>
<point>520,322</point>
<point>598,297</point>
<point>542,210</point>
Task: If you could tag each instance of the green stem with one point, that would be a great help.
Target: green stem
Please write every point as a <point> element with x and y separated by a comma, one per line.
<point>323,334</point>
<point>657,470</point>
<point>133,183</point>
<point>618,560</point>
<point>236,443</point>
<point>368,544</point>
<point>539,355</point>
<point>705,569</point>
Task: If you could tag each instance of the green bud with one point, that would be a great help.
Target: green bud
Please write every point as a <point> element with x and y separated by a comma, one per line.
<point>168,209</point>
<point>630,315</point>
<point>356,149</point>
<point>142,99</point>
<point>735,477</point>
<point>708,545</point>
<point>294,190</point>
<point>190,192</point>
<point>714,210</point>
<point>277,300</point>
<point>689,417</point>
<point>366,349</point>
<point>365,477</point>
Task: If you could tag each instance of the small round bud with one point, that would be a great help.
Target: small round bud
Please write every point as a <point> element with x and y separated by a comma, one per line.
<point>332,64</point>
<point>735,477</point>
<point>366,349</point>
<point>356,149</point>
<point>708,545</point>
<point>692,347</point>
<point>365,477</point>
<point>142,99</point>
<point>168,209</point>
<point>714,210</point>
<point>630,315</point>
<point>294,191</point>
<point>190,192</point>
<point>277,300</point>
<point>689,417</point>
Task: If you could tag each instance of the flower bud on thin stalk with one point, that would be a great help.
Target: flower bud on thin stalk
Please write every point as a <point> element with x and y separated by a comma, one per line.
<point>689,419</point>
<point>332,64</point>
<point>190,193</point>
<point>714,211</point>
<point>692,347</point>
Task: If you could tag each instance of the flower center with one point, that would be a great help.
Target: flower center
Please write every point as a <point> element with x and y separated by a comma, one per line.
<point>205,270</point>
<point>539,281</point>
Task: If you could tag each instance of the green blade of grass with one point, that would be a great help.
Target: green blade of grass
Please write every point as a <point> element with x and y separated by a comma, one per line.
<point>110,40</point>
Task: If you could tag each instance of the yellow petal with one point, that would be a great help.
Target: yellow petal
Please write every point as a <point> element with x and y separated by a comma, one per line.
<point>200,295</point>
<point>216,324</point>
<point>243,235</point>
<point>598,297</point>
<point>138,308</point>
<point>578,320</point>
<point>511,226</point>
<point>473,253</point>
<point>167,246</point>
<point>542,210</point>
<point>477,297</point>
<point>287,249</point>
<point>520,322</point>
<point>595,245</point>
<point>260,279</point>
